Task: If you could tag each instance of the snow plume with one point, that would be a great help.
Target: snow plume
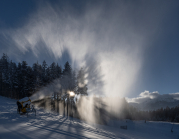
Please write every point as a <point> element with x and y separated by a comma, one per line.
<point>49,90</point>
<point>85,108</point>
<point>146,95</point>
<point>98,39</point>
<point>111,34</point>
<point>95,109</point>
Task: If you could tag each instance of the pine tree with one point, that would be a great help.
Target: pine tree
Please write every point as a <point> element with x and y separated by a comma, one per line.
<point>48,75</point>
<point>67,70</point>
<point>40,73</point>
<point>35,68</point>
<point>66,77</point>
<point>12,73</point>
<point>5,65</point>
<point>44,73</point>
<point>30,81</point>
<point>5,74</point>
<point>24,78</point>
<point>16,81</point>
<point>19,81</point>
<point>58,71</point>
<point>74,82</point>
<point>53,71</point>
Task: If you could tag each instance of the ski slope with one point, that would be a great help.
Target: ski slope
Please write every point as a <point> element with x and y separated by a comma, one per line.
<point>50,125</point>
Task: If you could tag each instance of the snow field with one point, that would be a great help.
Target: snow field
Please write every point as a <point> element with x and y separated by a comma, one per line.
<point>51,125</point>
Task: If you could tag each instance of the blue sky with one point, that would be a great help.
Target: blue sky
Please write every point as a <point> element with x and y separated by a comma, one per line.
<point>135,45</point>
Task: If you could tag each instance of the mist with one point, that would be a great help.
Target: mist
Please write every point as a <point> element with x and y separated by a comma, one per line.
<point>107,39</point>
<point>93,37</point>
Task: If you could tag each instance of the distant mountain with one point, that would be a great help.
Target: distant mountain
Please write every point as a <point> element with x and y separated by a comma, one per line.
<point>156,103</point>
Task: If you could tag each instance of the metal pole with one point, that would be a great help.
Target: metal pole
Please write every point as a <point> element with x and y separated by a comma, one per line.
<point>67,105</point>
<point>57,103</point>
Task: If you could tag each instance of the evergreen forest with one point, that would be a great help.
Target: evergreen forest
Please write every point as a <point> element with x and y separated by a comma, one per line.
<point>20,80</point>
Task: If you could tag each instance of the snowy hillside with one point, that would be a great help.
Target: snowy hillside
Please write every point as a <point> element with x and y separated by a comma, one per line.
<point>50,125</point>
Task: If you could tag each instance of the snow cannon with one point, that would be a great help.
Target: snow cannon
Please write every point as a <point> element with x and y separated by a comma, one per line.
<point>24,106</point>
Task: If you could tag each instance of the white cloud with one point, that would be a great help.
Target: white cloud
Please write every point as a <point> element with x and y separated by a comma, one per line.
<point>146,95</point>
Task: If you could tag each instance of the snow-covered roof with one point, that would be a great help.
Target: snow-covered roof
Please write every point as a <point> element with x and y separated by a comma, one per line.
<point>24,99</point>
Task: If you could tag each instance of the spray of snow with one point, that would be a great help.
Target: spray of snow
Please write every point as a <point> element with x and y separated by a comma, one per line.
<point>100,39</point>
<point>110,52</point>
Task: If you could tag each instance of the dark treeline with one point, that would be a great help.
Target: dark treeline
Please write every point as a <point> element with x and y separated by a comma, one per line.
<point>163,114</point>
<point>166,114</point>
<point>20,80</point>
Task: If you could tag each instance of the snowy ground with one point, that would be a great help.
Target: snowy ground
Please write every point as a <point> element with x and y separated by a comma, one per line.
<point>50,125</point>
